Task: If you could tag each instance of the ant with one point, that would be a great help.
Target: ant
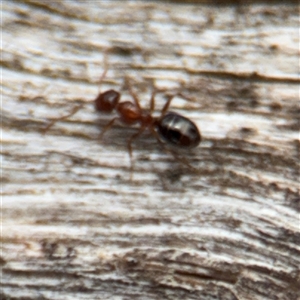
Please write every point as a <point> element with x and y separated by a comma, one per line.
<point>170,127</point>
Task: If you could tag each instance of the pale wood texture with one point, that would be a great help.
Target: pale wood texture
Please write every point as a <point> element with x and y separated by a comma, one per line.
<point>77,224</point>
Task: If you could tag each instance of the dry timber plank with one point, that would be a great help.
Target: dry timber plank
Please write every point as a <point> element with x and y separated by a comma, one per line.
<point>75,225</point>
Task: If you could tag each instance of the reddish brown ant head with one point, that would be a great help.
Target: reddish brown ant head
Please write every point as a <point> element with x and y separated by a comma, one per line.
<point>107,101</point>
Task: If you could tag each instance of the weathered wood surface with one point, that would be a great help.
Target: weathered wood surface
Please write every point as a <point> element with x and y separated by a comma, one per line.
<point>75,225</point>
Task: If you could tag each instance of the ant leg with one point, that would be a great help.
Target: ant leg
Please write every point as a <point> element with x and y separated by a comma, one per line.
<point>175,155</point>
<point>152,101</point>
<point>105,63</point>
<point>167,104</point>
<point>55,120</point>
<point>102,76</point>
<point>129,144</point>
<point>107,127</point>
<point>132,93</point>
<point>105,70</point>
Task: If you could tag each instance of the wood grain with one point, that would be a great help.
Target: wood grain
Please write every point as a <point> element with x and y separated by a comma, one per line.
<point>78,224</point>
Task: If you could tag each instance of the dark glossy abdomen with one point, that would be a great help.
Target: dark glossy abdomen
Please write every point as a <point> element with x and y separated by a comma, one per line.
<point>178,130</point>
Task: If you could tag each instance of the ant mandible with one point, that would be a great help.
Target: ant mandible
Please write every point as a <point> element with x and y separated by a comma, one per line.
<point>170,127</point>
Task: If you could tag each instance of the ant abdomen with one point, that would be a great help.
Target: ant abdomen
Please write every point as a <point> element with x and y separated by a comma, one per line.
<point>178,130</point>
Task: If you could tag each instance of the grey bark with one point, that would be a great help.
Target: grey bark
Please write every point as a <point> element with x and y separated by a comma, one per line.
<point>77,223</point>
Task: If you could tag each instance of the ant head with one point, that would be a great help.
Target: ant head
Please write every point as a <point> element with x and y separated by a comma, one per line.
<point>107,101</point>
